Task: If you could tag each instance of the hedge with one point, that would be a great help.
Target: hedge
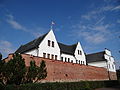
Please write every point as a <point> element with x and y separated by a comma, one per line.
<point>83,85</point>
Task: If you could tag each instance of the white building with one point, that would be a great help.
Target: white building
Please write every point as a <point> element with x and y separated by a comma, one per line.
<point>46,46</point>
<point>102,59</point>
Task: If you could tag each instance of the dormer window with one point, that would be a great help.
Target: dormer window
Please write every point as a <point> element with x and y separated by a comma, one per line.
<point>52,43</point>
<point>48,42</point>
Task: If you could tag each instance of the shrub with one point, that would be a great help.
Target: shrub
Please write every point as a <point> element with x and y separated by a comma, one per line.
<point>83,85</point>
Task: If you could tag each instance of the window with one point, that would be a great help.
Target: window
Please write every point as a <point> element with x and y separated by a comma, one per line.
<point>55,57</point>
<point>44,55</point>
<point>52,44</point>
<point>108,65</point>
<point>76,61</point>
<point>48,56</point>
<point>61,58</point>
<point>81,62</point>
<point>68,59</point>
<point>48,42</point>
<point>52,56</point>
<point>65,59</point>
<point>113,66</point>
<point>80,52</point>
<point>71,61</point>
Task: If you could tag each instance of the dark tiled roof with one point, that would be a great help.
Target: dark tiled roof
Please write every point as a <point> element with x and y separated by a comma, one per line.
<point>95,57</point>
<point>68,49</point>
<point>31,45</point>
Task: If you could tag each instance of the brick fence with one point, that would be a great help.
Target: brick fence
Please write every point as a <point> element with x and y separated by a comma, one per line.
<point>68,72</point>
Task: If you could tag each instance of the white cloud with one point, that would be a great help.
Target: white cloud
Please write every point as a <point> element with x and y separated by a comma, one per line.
<point>94,38</point>
<point>6,47</point>
<point>87,17</point>
<point>106,8</point>
<point>92,25</point>
<point>100,20</point>
<point>118,21</point>
<point>36,32</point>
<point>92,32</point>
<point>15,24</point>
<point>116,8</point>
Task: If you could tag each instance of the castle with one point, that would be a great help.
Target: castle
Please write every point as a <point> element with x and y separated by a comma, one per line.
<point>70,60</point>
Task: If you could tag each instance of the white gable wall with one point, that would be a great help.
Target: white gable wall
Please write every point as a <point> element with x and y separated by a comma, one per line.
<point>44,48</point>
<point>110,61</point>
<point>78,56</point>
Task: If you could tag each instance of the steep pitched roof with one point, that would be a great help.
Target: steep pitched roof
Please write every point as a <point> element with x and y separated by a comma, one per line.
<point>68,49</point>
<point>31,45</point>
<point>95,57</point>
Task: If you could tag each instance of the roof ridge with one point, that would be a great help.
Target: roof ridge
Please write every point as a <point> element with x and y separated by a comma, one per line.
<point>96,53</point>
<point>68,45</point>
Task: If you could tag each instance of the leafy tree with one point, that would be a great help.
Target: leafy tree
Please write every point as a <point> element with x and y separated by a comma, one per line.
<point>0,56</point>
<point>42,71</point>
<point>32,72</point>
<point>1,68</point>
<point>15,70</point>
<point>118,74</point>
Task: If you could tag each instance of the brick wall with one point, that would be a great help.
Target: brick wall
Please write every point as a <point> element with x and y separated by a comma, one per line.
<point>69,72</point>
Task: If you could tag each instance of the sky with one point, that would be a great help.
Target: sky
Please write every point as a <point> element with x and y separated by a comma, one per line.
<point>94,23</point>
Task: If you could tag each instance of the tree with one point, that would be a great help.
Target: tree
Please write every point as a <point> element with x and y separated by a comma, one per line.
<point>15,70</point>
<point>32,72</point>
<point>1,68</point>
<point>0,56</point>
<point>42,71</point>
<point>118,74</point>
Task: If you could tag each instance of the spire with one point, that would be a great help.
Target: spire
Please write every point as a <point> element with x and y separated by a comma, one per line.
<point>52,24</point>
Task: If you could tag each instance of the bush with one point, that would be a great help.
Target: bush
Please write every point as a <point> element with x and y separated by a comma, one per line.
<point>83,85</point>
<point>2,87</point>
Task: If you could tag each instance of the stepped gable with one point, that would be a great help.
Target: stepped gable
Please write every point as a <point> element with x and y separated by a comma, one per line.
<point>31,45</point>
<point>95,57</point>
<point>68,49</point>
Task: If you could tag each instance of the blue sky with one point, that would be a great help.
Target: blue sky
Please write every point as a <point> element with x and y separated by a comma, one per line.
<point>95,23</point>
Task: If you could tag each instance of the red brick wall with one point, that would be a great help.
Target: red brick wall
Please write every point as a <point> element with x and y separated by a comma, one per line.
<point>64,71</point>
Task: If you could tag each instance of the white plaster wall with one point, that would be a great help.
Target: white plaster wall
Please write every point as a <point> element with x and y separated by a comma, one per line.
<point>80,57</point>
<point>68,56</point>
<point>32,52</point>
<point>110,63</point>
<point>99,64</point>
<point>108,52</point>
<point>44,48</point>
